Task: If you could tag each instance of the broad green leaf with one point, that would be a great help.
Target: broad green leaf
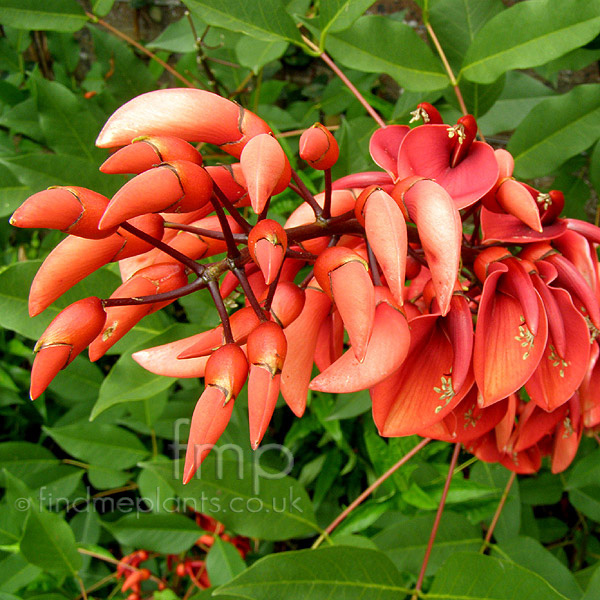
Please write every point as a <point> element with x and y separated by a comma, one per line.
<point>10,527</point>
<point>555,130</point>
<point>247,497</point>
<point>587,500</point>
<point>104,478</point>
<point>255,54</point>
<point>57,15</point>
<point>521,93</point>
<point>585,472</point>
<point>350,405</point>
<point>528,553</point>
<point>128,382</point>
<point>167,533</point>
<point>472,576</point>
<point>405,542</point>
<point>99,444</point>
<point>102,7</point>
<point>16,573</point>
<point>322,574</point>
<point>378,45</point>
<point>593,589</point>
<point>15,281</point>
<point>544,488</point>
<point>48,541</point>
<point>40,171</point>
<point>22,118</point>
<point>12,192</point>
<point>179,36</point>
<point>495,475</point>
<point>68,125</point>
<point>595,168</point>
<point>529,34</point>
<point>457,23</point>
<point>337,15</point>
<point>265,20</point>
<point>223,562</point>
<point>81,381</point>
<point>478,97</point>
<point>353,140</point>
<point>24,459</point>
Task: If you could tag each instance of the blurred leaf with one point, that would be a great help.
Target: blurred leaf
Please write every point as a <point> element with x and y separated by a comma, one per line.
<point>587,500</point>
<point>593,589</point>
<point>102,7</point>
<point>350,405</point>
<point>48,541</point>
<point>406,541</point>
<point>543,488</point>
<point>265,20</point>
<point>99,444</point>
<point>353,139</point>
<point>585,472</point>
<point>81,381</point>
<point>529,34</point>
<point>595,168</point>
<point>337,15</point>
<point>12,192</point>
<point>104,478</point>
<point>24,459</point>
<point>15,281</point>
<point>555,130</point>
<point>477,577</point>
<point>16,573</point>
<point>531,555</point>
<point>58,15</point>
<point>337,571</point>
<point>247,497</point>
<point>521,93</point>
<point>67,124</point>
<point>22,118</point>
<point>378,45</point>
<point>223,562</point>
<point>178,36</point>
<point>457,23</point>
<point>255,54</point>
<point>167,533</point>
<point>495,475</point>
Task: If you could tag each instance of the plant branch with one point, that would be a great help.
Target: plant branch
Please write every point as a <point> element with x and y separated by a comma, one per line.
<point>231,209</point>
<point>490,531</point>
<point>209,233</point>
<point>305,194</point>
<point>369,491</point>
<point>213,288</point>
<point>185,290</point>
<point>329,62</point>
<point>436,522</point>
<point>94,19</point>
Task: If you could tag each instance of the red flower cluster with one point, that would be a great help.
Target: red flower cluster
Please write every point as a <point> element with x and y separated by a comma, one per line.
<point>471,308</point>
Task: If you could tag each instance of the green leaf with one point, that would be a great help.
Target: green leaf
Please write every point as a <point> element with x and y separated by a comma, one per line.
<point>348,406</point>
<point>128,382</point>
<point>15,281</point>
<point>265,20</point>
<point>103,478</point>
<point>322,574</point>
<point>587,500</point>
<point>471,576</point>
<point>520,94</point>
<point>99,444</point>
<point>593,589</point>
<point>555,130</point>
<point>16,573</point>
<point>528,553</point>
<point>179,36</point>
<point>255,54</point>
<point>378,45</point>
<point>58,15</point>
<point>81,381</point>
<point>247,497</point>
<point>594,168</point>
<point>585,472</point>
<point>457,23</point>
<point>223,562</point>
<point>529,34</point>
<point>167,533</point>
<point>102,7</point>
<point>67,124</point>
<point>12,192</point>
<point>405,542</point>
<point>48,541</point>
<point>24,459</point>
<point>40,171</point>
<point>337,15</point>
<point>497,476</point>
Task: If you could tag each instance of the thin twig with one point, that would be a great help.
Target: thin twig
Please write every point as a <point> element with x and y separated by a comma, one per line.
<point>184,290</point>
<point>490,531</point>
<point>141,48</point>
<point>305,194</point>
<point>329,61</point>
<point>215,293</point>
<point>436,522</point>
<point>369,491</point>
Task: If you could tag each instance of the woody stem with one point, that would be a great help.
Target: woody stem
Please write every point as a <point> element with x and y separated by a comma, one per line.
<point>232,250</point>
<point>185,290</point>
<point>369,491</point>
<point>231,209</point>
<point>241,275</point>
<point>213,288</point>
<point>436,522</point>
<point>179,256</point>
<point>490,531</point>
<point>306,195</point>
